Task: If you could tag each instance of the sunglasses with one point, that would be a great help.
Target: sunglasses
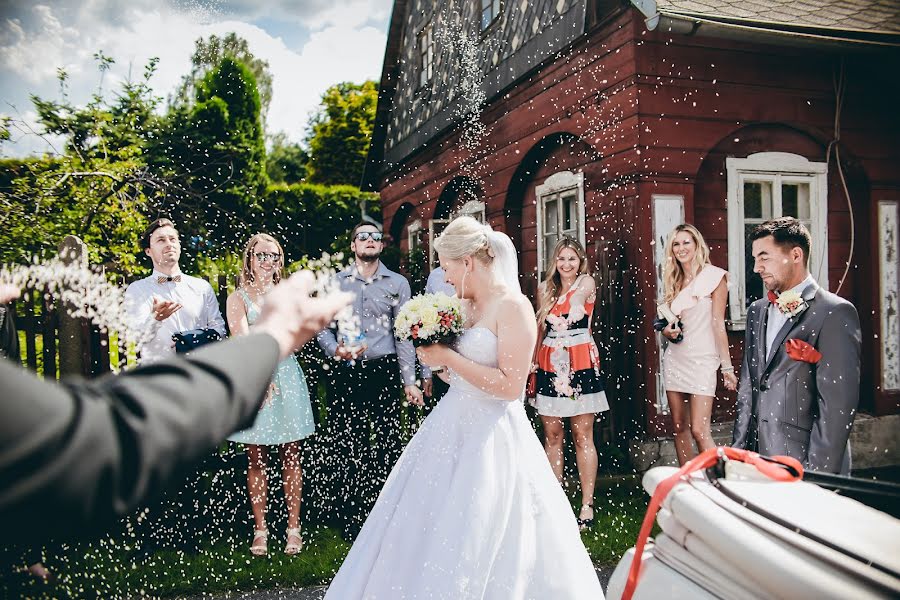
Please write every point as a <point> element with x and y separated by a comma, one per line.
<point>364,235</point>
<point>264,256</point>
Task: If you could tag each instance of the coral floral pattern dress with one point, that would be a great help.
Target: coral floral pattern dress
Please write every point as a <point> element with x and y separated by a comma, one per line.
<point>568,373</point>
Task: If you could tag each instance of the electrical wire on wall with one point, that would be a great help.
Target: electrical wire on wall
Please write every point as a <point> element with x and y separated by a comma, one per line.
<point>839,87</point>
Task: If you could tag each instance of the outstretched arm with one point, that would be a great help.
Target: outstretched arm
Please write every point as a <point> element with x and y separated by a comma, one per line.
<point>516,336</point>
<point>76,457</point>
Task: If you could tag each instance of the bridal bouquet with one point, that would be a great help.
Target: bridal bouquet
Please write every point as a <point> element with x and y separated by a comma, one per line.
<point>429,319</point>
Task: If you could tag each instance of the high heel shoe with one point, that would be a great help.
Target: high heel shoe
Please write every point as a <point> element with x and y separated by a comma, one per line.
<point>260,542</point>
<point>586,523</point>
<point>293,548</point>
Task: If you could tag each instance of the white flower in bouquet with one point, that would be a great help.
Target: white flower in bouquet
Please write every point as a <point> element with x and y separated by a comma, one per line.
<point>429,319</point>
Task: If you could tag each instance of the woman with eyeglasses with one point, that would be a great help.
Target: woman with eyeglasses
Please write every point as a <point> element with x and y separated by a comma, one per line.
<point>286,415</point>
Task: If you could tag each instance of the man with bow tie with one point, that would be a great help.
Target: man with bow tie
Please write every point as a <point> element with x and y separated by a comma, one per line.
<point>168,301</point>
<point>799,385</point>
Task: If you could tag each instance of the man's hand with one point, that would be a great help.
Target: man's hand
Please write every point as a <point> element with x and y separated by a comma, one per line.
<point>428,387</point>
<point>348,353</point>
<point>8,293</point>
<point>292,317</point>
<point>163,309</point>
<point>414,395</point>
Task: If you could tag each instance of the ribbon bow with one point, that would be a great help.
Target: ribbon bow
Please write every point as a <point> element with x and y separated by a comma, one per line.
<point>167,278</point>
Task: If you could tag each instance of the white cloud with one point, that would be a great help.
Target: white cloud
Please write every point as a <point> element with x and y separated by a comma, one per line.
<point>34,49</point>
<point>35,43</point>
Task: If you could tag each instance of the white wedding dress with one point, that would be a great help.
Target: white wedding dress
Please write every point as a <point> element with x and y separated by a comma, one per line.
<point>471,510</point>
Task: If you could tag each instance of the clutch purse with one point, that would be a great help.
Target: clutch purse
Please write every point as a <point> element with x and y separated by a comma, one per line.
<point>666,318</point>
<point>185,341</point>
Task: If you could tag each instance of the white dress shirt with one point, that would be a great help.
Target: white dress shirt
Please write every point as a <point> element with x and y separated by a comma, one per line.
<point>199,310</point>
<point>777,319</point>
<point>436,284</point>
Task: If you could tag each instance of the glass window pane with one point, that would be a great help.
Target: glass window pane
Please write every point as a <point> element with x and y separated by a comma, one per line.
<point>550,242</point>
<point>485,19</point>
<point>551,217</point>
<point>569,212</point>
<point>795,200</point>
<point>752,282</point>
<point>757,199</point>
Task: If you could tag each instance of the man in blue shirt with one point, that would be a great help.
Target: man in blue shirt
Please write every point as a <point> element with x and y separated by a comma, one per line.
<point>368,373</point>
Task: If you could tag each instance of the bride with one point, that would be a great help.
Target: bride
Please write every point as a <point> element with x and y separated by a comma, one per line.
<point>472,508</point>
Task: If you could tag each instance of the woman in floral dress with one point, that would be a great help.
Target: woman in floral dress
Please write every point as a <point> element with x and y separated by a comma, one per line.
<point>568,367</point>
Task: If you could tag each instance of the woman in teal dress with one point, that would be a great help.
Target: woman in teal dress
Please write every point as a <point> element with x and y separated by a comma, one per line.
<point>286,416</point>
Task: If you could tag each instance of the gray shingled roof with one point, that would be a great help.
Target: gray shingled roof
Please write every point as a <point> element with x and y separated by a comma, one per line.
<point>870,16</point>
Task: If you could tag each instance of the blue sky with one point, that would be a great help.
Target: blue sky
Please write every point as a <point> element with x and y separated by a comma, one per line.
<point>309,44</point>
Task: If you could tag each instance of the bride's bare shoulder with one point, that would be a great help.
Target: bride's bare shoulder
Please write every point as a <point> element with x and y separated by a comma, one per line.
<point>515,303</point>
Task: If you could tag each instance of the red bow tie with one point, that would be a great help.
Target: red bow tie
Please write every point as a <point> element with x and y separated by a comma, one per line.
<point>772,296</point>
<point>166,278</point>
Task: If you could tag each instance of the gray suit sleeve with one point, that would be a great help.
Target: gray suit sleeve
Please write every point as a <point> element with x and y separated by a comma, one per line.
<point>77,456</point>
<point>837,381</point>
<point>744,405</point>
<point>406,352</point>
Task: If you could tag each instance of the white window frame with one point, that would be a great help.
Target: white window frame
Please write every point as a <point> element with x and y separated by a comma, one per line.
<point>668,212</point>
<point>473,208</point>
<point>413,231</point>
<point>425,53</point>
<point>491,9</point>
<point>776,168</point>
<point>554,187</point>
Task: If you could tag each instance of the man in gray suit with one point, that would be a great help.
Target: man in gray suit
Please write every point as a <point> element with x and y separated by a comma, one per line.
<point>799,386</point>
<point>77,456</point>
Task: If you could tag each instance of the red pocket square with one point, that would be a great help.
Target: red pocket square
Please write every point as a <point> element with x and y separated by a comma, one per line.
<point>800,350</point>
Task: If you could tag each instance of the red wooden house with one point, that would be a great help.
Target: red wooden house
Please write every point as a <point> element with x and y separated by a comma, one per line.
<point>613,121</point>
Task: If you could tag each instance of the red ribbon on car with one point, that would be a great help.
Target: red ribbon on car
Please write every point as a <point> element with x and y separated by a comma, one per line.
<point>779,468</point>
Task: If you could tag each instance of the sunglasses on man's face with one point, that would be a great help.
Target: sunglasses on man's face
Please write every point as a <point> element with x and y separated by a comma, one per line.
<point>364,235</point>
<point>264,256</point>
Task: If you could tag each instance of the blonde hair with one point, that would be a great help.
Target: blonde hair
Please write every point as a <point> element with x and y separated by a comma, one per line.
<point>465,236</point>
<point>246,276</point>
<point>673,273</point>
<point>552,284</point>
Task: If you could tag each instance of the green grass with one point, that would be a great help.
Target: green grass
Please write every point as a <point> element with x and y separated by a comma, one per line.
<point>109,568</point>
<point>619,507</point>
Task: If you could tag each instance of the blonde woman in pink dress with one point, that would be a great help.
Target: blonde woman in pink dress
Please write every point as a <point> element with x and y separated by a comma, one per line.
<point>697,292</point>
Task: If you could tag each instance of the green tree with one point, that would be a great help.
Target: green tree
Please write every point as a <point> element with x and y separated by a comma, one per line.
<point>97,187</point>
<point>215,150</point>
<point>340,133</point>
<point>285,162</point>
<point>208,53</point>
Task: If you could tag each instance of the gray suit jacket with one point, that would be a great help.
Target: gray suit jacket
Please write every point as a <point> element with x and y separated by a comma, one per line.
<point>77,456</point>
<point>800,409</point>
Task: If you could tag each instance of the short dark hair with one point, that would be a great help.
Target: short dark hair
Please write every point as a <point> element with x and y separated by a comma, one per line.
<point>788,233</point>
<point>154,225</point>
<point>362,224</point>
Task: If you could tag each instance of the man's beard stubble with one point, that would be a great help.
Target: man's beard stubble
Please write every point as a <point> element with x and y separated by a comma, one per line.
<point>368,258</point>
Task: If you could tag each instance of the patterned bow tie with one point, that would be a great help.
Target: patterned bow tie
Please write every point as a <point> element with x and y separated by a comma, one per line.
<point>166,278</point>
<point>772,296</point>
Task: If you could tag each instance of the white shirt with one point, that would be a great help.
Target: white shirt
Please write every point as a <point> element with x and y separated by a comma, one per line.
<point>777,319</point>
<point>199,310</point>
<point>437,285</point>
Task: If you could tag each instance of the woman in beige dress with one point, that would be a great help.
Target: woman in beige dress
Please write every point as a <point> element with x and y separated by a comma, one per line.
<point>697,292</point>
